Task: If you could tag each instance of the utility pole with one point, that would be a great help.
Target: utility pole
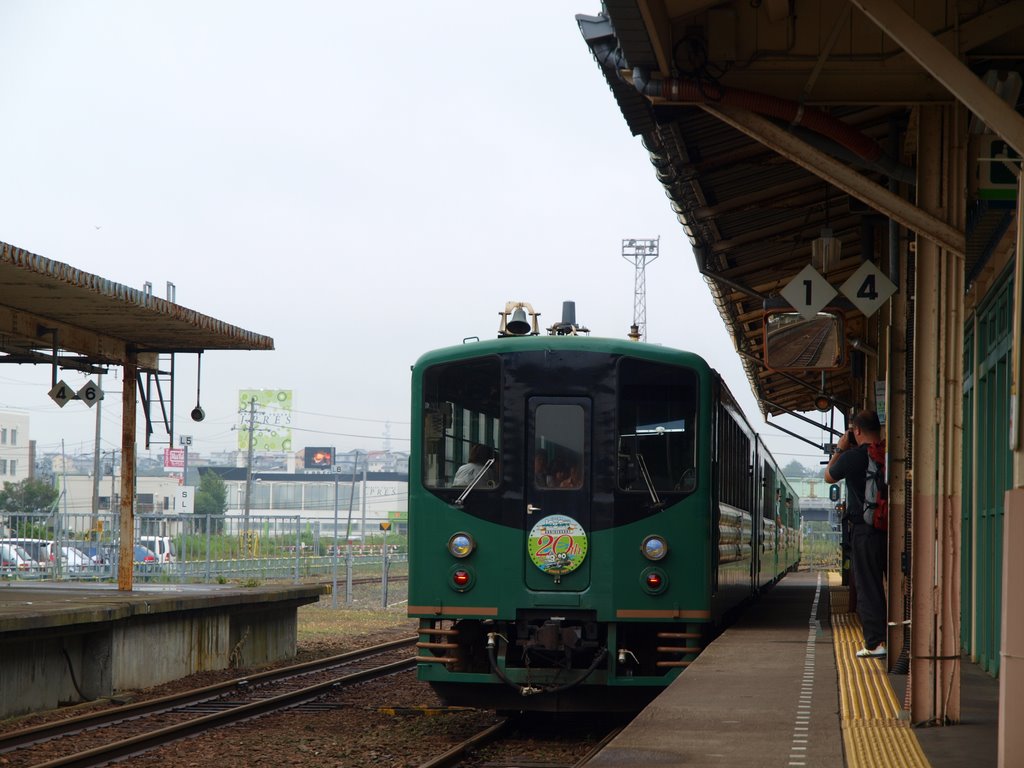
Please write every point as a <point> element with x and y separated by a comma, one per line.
<point>348,534</point>
<point>640,253</point>
<point>334,549</point>
<point>248,464</point>
<point>94,525</point>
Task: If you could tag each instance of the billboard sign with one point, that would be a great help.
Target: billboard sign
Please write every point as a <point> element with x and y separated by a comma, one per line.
<point>318,458</point>
<point>271,419</point>
<point>174,458</point>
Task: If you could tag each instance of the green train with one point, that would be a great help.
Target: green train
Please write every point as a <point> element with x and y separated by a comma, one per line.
<point>584,516</point>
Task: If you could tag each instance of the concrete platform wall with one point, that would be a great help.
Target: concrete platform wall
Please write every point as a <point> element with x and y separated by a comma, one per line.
<point>62,658</point>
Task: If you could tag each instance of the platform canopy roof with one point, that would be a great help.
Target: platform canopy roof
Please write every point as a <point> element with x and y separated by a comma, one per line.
<point>770,122</point>
<point>51,312</point>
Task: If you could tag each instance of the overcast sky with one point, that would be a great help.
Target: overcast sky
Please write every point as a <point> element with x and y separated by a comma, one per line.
<point>362,182</point>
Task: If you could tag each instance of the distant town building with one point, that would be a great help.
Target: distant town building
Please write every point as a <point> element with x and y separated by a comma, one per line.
<point>16,460</point>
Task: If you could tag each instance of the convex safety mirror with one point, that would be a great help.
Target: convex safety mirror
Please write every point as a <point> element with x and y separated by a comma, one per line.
<point>794,343</point>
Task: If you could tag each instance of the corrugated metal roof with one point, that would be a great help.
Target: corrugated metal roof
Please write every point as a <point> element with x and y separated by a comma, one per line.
<point>750,213</point>
<point>96,318</point>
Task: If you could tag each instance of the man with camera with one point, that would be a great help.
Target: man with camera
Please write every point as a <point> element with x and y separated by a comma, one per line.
<point>869,547</point>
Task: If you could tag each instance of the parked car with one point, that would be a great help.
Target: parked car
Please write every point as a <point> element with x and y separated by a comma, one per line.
<point>16,561</point>
<point>162,546</point>
<point>145,558</point>
<point>38,550</point>
<point>101,554</point>
<point>73,562</point>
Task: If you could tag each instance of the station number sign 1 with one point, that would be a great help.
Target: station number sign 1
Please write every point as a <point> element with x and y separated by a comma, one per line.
<point>808,292</point>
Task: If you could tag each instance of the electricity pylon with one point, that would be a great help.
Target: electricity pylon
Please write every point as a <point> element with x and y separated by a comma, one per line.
<point>640,253</point>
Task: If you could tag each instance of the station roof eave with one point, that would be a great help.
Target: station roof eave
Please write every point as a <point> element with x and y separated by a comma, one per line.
<point>51,312</point>
<point>721,94</point>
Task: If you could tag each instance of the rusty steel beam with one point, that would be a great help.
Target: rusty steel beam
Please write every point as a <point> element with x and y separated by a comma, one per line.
<point>947,69</point>
<point>882,200</point>
<point>937,423</point>
<point>126,560</point>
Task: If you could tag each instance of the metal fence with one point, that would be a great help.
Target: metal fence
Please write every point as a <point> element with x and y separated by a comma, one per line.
<point>821,549</point>
<point>201,549</point>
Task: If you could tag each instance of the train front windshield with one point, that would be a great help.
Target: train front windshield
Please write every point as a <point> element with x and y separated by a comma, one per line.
<point>462,426</point>
<point>654,423</point>
<point>657,427</point>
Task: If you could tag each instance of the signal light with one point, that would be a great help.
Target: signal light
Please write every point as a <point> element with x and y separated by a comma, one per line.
<point>653,580</point>
<point>461,578</point>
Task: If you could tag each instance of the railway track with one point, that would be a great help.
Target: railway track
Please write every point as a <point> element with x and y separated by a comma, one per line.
<point>370,580</point>
<point>116,733</point>
<point>510,752</point>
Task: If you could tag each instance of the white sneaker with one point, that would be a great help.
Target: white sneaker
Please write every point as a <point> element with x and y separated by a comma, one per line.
<point>872,653</point>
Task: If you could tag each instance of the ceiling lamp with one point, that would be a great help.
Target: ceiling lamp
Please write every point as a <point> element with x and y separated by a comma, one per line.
<point>825,250</point>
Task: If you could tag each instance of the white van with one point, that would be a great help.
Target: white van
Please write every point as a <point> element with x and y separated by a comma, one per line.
<point>162,546</point>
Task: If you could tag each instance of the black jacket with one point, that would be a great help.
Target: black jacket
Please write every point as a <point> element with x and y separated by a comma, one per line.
<point>852,466</point>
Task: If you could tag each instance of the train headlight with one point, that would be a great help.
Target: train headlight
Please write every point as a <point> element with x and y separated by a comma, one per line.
<point>654,548</point>
<point>461,545</point>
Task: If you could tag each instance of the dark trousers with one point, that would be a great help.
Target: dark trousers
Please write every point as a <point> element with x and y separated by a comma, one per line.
<point>869,561</point>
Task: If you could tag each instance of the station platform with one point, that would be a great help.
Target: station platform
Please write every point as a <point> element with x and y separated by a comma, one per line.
<point>784,687</point>
<point>67,642</point>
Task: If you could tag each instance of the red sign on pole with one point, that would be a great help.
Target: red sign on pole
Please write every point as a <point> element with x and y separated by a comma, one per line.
<point>174,458</point>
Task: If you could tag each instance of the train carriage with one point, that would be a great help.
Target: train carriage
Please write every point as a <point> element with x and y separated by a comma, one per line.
<point>583,514</point>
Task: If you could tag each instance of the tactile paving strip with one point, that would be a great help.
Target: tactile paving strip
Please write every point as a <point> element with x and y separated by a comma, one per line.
<point>874,735</point>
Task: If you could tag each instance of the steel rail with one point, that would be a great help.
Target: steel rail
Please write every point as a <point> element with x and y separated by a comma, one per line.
<point>47,731</point>
<point>143,742</point>
<point>485,736</point>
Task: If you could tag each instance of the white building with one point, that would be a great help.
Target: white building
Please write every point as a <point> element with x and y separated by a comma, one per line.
<point>15,456</point>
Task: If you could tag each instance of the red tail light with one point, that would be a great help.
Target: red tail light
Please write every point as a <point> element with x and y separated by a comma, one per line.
<point>653,580</point>
<point>461,578</point>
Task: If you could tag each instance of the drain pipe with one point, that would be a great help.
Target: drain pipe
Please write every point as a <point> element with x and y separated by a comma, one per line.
<point>674,89</point>
<point>600,37</point>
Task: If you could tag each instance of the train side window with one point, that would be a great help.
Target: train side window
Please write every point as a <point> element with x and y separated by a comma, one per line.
<point>657,427</point>
<point>461,409</point>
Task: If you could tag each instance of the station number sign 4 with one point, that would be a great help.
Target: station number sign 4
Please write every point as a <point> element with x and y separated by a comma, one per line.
<point>868,288</point>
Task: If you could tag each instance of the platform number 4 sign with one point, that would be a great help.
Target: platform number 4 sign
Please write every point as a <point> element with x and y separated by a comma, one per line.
<point>868,288</point>
<point>61,393</point>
